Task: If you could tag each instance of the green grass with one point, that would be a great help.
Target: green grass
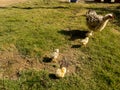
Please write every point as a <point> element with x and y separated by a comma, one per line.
<point>35,28</point>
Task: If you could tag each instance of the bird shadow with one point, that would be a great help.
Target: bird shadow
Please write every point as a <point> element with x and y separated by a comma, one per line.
<point>4,7</point>
<point>74,34</point>
<point>35,7</point>
<point>76,46</point>
<point>42,7</point>
<point>47,59</point>
<point>53,76</point>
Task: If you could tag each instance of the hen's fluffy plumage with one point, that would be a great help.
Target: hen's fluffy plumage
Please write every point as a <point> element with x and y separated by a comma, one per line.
<point>97,22</point>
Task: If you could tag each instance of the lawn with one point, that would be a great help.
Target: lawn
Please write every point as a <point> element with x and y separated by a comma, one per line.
<point>30,31</point>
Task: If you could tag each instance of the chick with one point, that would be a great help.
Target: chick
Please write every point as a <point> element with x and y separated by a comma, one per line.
<point>55,55</point>
<point>84,41</point>
<point>89,34</point>
<point>60,73</point>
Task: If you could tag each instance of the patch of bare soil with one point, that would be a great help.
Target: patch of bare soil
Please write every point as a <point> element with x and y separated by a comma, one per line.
<point>71,59</point>
<point>12,62</point>
<point>67,58</point>
<point>4,3</point>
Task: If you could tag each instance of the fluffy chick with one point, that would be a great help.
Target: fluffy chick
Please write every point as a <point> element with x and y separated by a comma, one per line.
<point>60,73</point>
<point>89,34</point>
<point>84,41</point>
<point>55,55</point>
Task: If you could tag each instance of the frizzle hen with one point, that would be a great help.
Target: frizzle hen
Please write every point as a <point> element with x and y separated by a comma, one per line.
<point>97,22</point>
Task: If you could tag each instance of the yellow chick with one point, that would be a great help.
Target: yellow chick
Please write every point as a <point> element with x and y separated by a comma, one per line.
<point>55,55</point>
<point>85,41</point>
<point>60,73</point>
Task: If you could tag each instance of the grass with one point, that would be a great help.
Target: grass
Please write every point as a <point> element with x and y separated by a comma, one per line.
<point>31,30</point>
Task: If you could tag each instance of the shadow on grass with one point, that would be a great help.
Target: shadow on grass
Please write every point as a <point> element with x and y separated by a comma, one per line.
<point>47,59</point>
<point>76,46</point>
<point>53,76</point>
<point>4,7</point>
<point>41,7</point>
<point>74,34</point>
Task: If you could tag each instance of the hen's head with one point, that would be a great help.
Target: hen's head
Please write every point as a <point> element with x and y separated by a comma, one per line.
<point>109,16</point>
